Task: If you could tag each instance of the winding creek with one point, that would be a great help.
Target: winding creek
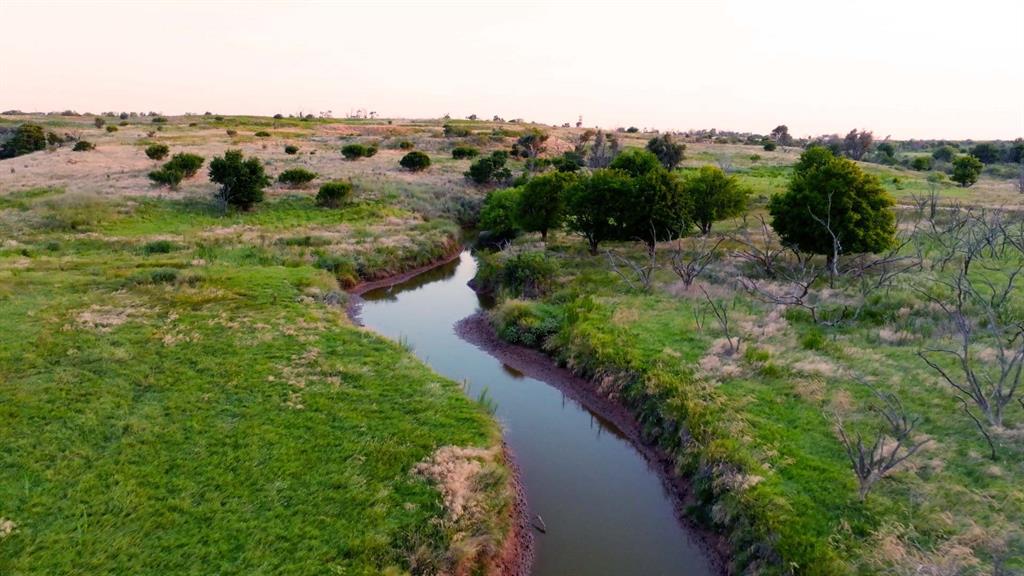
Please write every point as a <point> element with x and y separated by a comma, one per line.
<point>606,509</point>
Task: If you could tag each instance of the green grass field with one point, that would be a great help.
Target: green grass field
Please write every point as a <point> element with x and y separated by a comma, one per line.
<point>756,428</point>
<point>181,391</point>
<point>177,399</point>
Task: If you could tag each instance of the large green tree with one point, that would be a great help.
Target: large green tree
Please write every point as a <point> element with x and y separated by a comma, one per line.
<point>591,205</point>
<point>498,213</point>
<point>635,199</point>
<point>713,195</point>
<point>655,207</point>
<point>966,170</point>
<point>668,151</point>
<point>832,207</point>
<point>541,204</point>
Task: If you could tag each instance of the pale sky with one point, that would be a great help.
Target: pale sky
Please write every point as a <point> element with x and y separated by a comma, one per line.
<point>905,68</point>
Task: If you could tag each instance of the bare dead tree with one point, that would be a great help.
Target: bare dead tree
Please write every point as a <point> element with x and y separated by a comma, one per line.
<point>872,463</point>
<point>990,386</point>
<point>881,270</point>
<point>837,246</point>
<point>689,264</point>
<point>927,205</point>
<point>764,251</point>
<point>636,273</point>
<point>721,313</point>
<point>796,286</point>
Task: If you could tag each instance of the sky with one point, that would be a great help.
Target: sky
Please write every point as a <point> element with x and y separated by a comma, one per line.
<point>901,68</point>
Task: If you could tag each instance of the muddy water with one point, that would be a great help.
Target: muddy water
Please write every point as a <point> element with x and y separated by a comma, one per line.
<point>606,510</point>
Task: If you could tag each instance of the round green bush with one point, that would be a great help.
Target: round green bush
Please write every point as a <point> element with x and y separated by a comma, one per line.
<point>461,152</point>
<point>769,146</point>
<point>406,145</point>
<point>159,120</point>
<point>356,151</point>
<point>262,134</point>
<point>415,161</point>
<point>242,179</point>
<point>111,128</point>
<point>333,194</point>
<point>84,146</point>
<point>296,177</point>
<point>232,133</point>
<point>188,164</point>
<point>167,176</point>
<point>291,149</point>
<point>157,151</point>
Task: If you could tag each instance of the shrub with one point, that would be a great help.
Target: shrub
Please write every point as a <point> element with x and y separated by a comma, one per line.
<point>334,194</point>
<point>296,177</point>
<point>498,214</point>
<point>242,180</point>
<point>522,275</point>
<point>163,276</point>
<point>987,152</point>
<point>167,176</point>
<point>461,152</point>
<point>262,134</point>
<point>158,247</point>
<point>770,146</point>
<point>406,145</point>
<point>415,161</point>
<point>357,151</point>
<point>451,130</point>
<point>83,146</point>
<point>966,170</point>
<point>99,122</point>
<point>568,162</point>
<point>921,163</point>
<point>232,133</point>
<point>159,120</point>
<point>489,169</point>
<point>526,323</point>
<point>344,268</point>
<point>157,151</point>
<point>111,129</point>
<point>944,153</point>
<point>291,149</point>
<point>188,164</point>
<point>27,138</point>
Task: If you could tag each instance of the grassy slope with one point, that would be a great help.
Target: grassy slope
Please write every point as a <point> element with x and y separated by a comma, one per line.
<point>765,454</point>
<point>200,410</point>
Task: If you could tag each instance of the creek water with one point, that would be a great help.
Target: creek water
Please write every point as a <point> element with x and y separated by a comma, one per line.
<point>605,509</point>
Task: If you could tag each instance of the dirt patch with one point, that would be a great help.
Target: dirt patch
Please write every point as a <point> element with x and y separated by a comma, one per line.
<point>7,527</point>
<point>455,471</point>
<point>104,318</point>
